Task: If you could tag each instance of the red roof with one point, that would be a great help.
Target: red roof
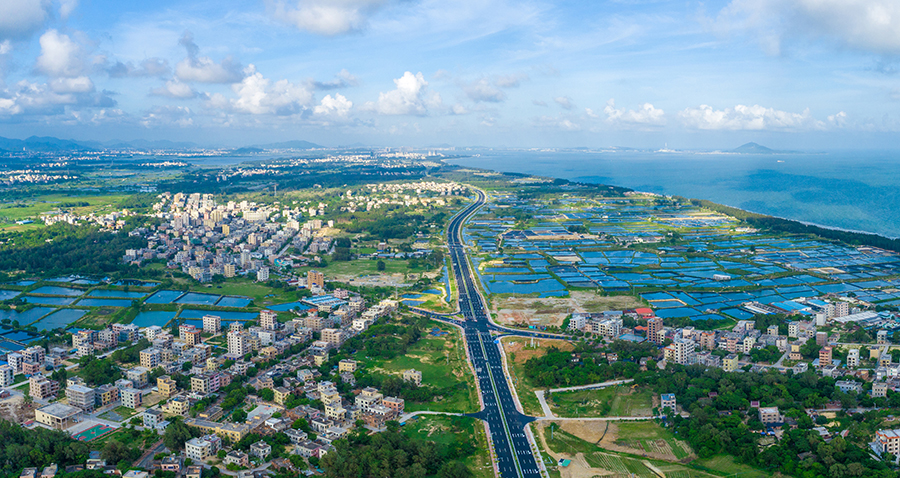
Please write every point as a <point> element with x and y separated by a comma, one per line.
<point>644,311</point>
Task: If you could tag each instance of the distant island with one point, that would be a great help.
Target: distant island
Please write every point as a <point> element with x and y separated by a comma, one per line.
<point>755,148</point>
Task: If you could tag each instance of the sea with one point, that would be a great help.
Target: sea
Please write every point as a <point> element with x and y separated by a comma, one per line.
<point>857,191</point>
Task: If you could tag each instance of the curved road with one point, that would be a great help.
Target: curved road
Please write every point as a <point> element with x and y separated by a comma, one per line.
<point>513,451</point>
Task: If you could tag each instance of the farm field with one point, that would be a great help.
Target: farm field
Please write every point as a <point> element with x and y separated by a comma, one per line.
<point>620,401</point>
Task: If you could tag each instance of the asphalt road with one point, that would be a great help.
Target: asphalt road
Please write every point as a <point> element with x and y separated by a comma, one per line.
<point>513,453</point>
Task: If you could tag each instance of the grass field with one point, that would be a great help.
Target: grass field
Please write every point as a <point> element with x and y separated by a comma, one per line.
<point>517,355</point>
<point>726,465</point>
<point>624,463</point>
<point>34,207</point>
<point>649,436</point>
<point>362,267</point>
<point>621,401</point>
<point>261,294</point>
<point>442,361</point>
<point>449,430</point>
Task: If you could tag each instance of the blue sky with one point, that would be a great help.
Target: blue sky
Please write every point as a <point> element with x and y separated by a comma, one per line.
<point>802,74</point>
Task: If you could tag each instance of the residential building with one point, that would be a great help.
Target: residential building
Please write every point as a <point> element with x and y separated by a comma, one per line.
<point>667,400</point>
<point>150,358</point>
<point>334,337</point>
<point>853,358</point>
<point>40,387</point>
<point>769,415</point>
<point>887,441</point>
<point>654,326</point>
<point>825,356</point>
<point>315,279</point>
<point>260,449</point>
<point>413,376</point>
<point>730,363</point>
<point>131,398</point>
<point>268,319</point>
<point>237,457</point>
<point>212,324</point>
<point>81,397</point>
<point>166,386</point>
<point>238,344</point>
<point>848,386</point>
<point>7,375</point>
<point>347,365</point>
<point>879,389</point>
<point>152,418</point>
<point>57,415</point>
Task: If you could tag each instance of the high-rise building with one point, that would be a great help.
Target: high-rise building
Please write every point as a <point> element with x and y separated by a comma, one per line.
<point>150,358</point>
<point>238,345</point>
<point>7,376</point>
<point>654,326</point>
<point>212,324</point>
<point>825,356</point>
<point>315,278</point>
<point>228,270</point>
<point>268,319</point>
<point>262,274</point>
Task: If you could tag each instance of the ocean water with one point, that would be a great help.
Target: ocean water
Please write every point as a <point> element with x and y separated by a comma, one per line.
<point>850,190</point>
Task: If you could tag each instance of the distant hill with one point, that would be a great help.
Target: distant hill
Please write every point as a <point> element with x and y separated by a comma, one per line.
<point>247,150</point>
<point>45,143</point>
<point>298,144</point>
<point>753,148</point>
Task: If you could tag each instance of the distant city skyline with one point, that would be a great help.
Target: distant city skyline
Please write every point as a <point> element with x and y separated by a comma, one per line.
<point>789,74</point>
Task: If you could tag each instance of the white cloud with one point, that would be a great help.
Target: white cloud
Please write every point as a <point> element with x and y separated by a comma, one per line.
<point>342,79</point>
<point>459,109</point>
<point>60,55</point>
<point>747,118</point>
<point>167,116</point>
<point>19,18</point>
<point>147,68</point>
<point>258,95</point>
<point>336,107</point>
<point>203,69</point>
<point>174,89</point>
<point>63,94</point>
<point>539,103</point>
<point>511,81</point>
<point>483,90</point>
<point>411,97</point>
<point>81,84</point>
<point>559,122</point>
<point>838,119</point>
<point>564,101</point>
<point>646,115</point>
<point>867,25</point>
<point>66,7</point>
<point>325,17</point>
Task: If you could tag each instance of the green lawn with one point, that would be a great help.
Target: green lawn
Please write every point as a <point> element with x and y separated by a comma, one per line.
<point>450,430</point>
<point>620,401</point>
<point>442,361</point>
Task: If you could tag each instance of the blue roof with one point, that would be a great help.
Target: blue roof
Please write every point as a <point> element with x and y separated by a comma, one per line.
<point>667,396</point>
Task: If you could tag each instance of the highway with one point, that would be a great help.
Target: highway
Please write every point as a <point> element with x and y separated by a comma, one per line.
<point>513,454</point>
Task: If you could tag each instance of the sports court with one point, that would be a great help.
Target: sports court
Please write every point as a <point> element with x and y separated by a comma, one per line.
<point>92,433</point>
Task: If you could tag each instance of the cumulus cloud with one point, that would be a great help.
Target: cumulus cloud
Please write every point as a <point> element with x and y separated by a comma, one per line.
<point>411,97</point>
<point>646,115</point>
<point>150,67</point>
<point>838,119</point>
<point>565,102</point>
<point>325,17</point>
<point>866,25</point>
<point>333,107</point>
<point>81,84</point>
<point>747,118</point>
<point>26,98</point>
<point>343,79</point>
<point>167,116</point>
<point>20,18</point>
<point>60,56</point>
<point>258,95</point>
<point>203,69</point>
<point>174,89</point>
<point>482,90</point>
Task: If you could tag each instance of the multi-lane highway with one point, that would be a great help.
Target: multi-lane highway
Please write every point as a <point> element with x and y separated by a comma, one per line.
<point>514,456</point>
